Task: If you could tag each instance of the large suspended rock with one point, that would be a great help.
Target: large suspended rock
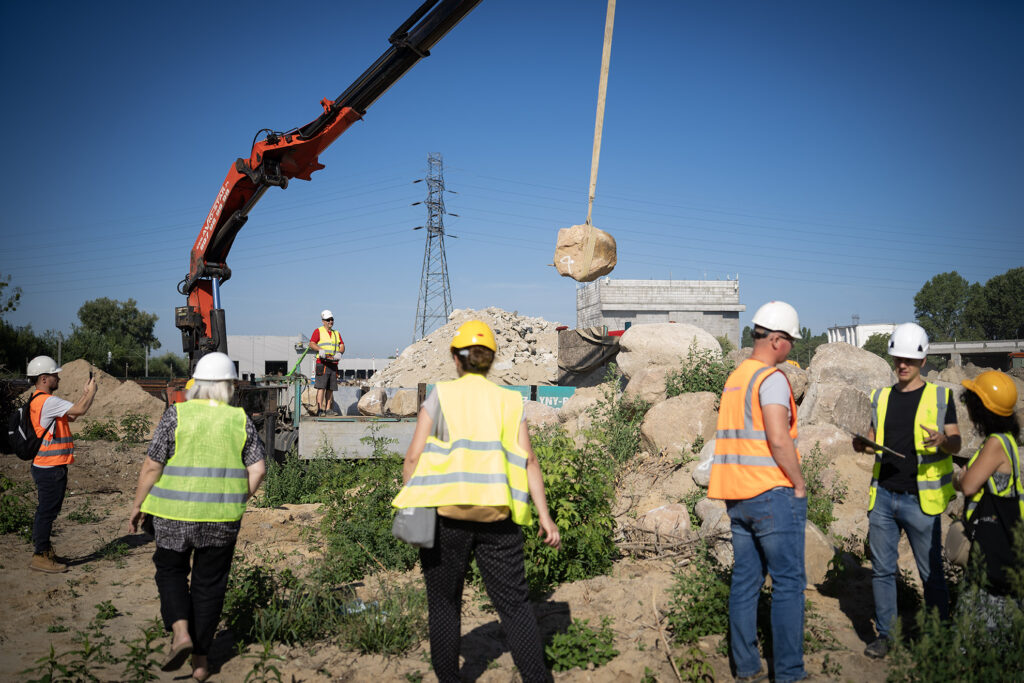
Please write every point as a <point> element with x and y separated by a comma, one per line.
<point>575,258</point>
<point>664,345</point>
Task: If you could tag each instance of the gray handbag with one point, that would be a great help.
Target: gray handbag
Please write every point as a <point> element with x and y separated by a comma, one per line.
<point>415,526</point>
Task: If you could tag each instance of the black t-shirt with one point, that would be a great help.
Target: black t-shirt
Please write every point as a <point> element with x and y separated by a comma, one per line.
<point>900,474</point>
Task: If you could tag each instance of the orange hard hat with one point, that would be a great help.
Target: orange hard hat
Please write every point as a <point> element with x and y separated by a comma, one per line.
<point>996,390</point>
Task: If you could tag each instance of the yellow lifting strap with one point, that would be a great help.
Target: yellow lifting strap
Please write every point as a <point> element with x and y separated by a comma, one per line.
<point>602,89</point>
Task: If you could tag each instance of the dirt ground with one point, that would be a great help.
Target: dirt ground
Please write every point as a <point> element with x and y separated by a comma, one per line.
<point>102,481</point>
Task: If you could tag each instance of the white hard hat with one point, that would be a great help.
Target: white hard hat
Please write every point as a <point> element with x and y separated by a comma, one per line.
<point>908,340</point>
<point>325,314</point>
<point>778,316</point>
<point>215,366</point>
<point>42,365</point>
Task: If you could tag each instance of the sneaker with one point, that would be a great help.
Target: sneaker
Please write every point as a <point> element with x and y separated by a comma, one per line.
<point>47,562</point>
<point>761,675</point>
<point>878,648</point>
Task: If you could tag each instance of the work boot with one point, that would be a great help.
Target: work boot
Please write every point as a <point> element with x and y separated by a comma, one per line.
<point>47,562</point>
<point>878,648</point>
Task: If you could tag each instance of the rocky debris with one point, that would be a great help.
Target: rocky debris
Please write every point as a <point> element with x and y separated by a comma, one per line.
<point>702,470</point>
<point>571,253</point>
<point>737,356</point>
<point>537,414</point>
<point>647,385</point>
<point>662,345</point>
<point>818,554</point>
<point>114,398</point>
<point>671,427</point>
<point>527,352</point>
<point>672,519</point>
<point>373,402</point>
<point>404,403</point>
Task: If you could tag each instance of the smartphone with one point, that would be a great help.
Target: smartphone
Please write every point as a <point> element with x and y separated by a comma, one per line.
<point>90,373</point>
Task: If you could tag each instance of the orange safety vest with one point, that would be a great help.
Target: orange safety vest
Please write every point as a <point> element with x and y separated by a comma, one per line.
<point>57,447</point>
<point>743,466</point>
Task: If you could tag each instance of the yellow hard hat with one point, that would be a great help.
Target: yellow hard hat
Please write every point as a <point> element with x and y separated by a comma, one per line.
<point>474,333</point>
<point>189,384</point>
<point>996,390</point>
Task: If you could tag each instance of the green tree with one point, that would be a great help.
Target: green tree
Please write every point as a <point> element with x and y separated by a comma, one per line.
<point>998,307</point>
<point>11,302</point>
<point>804,348</point>
<point>941,308</point>
<point>18,344</point>
<point>117,327</point>
<point>747,341</point>
<point>169,365</point>
<point>878,344</point>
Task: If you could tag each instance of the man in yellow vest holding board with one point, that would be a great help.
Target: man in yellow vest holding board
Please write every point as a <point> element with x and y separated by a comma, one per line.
<point>917,420</point>
<point>327,342</point>
<point>756,471</point>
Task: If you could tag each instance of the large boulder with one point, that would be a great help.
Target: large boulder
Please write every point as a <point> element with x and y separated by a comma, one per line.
<point>818,554</point>
<point>836,404</point>
<point>579,403</point>
<point>584,253</point>
<point>662,345</point>
<point>842,363</point>
<point>373,401</point>
<point>671,427</point>
<point>647,385</point>
<point>672,519</point>
<point>702,470</point>
<point>537,414</point>
<point>404,403</point>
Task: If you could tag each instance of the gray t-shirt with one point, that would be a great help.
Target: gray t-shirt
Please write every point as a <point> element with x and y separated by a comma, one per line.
<point>775,390</point>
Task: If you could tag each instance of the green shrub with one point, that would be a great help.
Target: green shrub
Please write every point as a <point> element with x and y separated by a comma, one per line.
<point>391,625</point>
<point>579,488</point>
<point>699,602</point>
<point>16,509</point>
<point>821,498</point>
<point>615,420</point>
<point>580,646</point>
<point>134,427</point>
<point>726,344</point>
<point>131,429</point>
<point>99,430</point>
<point>297,481</point>
<point>251,586</point>
<point>702,370</point>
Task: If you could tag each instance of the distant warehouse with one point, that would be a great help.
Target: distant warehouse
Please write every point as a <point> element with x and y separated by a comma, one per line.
<point>267,355</point>
<point>713,305</point>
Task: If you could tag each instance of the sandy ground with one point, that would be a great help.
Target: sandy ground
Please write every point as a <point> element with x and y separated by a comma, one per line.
<point>35,605</point>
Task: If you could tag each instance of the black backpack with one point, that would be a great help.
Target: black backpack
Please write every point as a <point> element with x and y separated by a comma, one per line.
<point>21,436</point>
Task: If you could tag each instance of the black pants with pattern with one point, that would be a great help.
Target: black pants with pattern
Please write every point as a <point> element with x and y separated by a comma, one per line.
<point>199,600</point>
<point>498,548</point>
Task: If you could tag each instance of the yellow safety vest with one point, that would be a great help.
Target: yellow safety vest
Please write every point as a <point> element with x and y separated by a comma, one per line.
<point>482,462</point>
<point>329,342</point>
<point>1013,455</point>
<point>205,480</point>
<point>934,468</point>
<point>743,465</point>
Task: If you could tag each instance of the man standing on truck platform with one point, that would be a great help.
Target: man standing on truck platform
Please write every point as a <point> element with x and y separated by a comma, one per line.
<point>327,342</point>
<point>50,416</point>
<point>756,471</point>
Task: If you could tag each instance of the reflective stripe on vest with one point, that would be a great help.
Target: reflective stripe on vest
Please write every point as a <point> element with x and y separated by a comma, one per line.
<point>58,448</point>
<point>333,341</point>
<point>482,462</point>
<point>205,480</point>
<point>1013,455</point>
<point>934,468</point>
<point>742,466</point>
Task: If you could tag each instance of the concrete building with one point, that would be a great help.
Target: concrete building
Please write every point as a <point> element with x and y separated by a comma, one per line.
<point>262,355</point>
<point>857,334</point>
<point>713,305</point>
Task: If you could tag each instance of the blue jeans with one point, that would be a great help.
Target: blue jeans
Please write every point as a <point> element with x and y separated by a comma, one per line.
<point>51,485</point>
<point>768,535</point>
<point>891,513</point>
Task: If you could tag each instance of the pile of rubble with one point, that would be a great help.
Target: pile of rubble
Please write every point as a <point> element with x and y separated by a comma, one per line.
<point>527,352</point>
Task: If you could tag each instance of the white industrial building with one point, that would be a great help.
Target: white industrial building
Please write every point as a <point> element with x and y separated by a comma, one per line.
<point>265,355</point>
<point>858,334</point>
<point>713,305</point>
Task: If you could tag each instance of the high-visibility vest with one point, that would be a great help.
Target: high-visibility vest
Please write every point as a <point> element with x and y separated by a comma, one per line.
<point>743,465</point>
<point>205,480</point>
<point>482,462</point>
<point>934,468</point>
<point>1009,445</point>
<point>329,342</point>
<point>57,448</point>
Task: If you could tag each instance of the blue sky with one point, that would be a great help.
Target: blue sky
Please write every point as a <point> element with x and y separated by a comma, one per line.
<point>833,155</point>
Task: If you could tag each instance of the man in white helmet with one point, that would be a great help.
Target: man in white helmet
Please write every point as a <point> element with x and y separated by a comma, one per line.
<point>916,419</point>
<point>756,471</point>
<point>327,342</point>
<point>50,417</point>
